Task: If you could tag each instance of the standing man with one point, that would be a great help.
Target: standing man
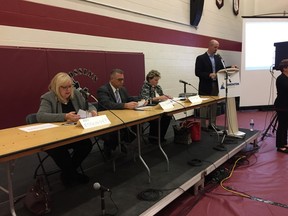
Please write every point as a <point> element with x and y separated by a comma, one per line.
<point>113,96</point>
<point>206,68</point>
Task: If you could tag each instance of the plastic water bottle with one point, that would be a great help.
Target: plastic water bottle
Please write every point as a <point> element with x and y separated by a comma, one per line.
<point>251,125</point>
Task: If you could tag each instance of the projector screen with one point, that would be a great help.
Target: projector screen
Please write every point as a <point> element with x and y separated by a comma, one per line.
<point>258,59</point>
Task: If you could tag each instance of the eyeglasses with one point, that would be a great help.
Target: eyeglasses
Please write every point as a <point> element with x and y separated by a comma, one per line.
<point>66,87</point>
<point>120,79</point>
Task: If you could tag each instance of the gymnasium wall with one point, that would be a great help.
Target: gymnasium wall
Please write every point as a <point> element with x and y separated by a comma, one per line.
<point>26,74</point>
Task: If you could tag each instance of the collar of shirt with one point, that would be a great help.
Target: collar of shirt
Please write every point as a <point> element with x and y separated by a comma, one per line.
<point>113,88</point>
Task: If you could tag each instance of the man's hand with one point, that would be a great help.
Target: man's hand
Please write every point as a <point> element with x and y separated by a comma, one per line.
<point>131,105</point>
<point>213,76</point>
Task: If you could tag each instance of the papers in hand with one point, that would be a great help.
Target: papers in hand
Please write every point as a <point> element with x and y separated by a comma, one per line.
<point>84,114</point>
<point>141,103</point>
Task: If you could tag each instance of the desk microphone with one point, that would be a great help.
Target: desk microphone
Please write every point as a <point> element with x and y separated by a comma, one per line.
<point>84,91</point>
<point>184,82</point>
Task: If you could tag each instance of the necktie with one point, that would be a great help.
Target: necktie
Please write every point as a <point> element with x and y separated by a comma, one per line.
<point>117,96</point>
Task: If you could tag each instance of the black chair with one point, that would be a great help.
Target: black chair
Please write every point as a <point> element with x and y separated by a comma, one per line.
<point>31,119</point>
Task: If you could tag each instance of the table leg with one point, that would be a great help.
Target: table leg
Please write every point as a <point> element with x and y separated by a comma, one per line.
<point>159,143</point>
<point>10,172</point>
<point>139,152</point>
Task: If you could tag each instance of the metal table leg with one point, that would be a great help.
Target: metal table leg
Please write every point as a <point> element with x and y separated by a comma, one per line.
<point>159,143</point>
<point>139,152</point>
<point>10,172</point>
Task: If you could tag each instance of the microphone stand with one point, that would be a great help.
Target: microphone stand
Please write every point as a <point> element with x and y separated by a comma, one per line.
<point>86,103</point>
<point>221,146</point>
<point>185,90</point>
<point>102,203</point>
<point>185,94</point>
<point>103,209</point>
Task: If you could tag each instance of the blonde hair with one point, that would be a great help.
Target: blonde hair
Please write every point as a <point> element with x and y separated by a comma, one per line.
<point>152,74</point>
<point>59,80</point>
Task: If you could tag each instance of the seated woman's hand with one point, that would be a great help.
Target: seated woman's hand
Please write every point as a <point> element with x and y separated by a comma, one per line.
<point>72,117</point>
<point>94,113</point>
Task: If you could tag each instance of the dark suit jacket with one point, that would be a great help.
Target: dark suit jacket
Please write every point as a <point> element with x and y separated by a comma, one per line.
<point>107,100</point>
<point>203,67</point>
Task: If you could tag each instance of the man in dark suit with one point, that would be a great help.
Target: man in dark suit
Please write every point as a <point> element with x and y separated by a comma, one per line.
<point>112,96</point>
<point>206,67</point>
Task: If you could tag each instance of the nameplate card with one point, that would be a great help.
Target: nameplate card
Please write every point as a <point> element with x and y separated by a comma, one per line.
<point>195,99</point>
<point>95,121</point>
<point>167,104</point>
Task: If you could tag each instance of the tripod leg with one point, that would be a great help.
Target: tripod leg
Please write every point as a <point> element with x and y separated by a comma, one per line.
<point>273,122</point>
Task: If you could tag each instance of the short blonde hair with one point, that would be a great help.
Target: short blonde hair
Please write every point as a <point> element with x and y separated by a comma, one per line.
<point>152,74</point>
<point>59,80</point>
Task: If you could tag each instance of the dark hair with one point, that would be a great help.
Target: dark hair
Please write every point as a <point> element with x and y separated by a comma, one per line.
<point>283,64</point>
<point>114,71</point>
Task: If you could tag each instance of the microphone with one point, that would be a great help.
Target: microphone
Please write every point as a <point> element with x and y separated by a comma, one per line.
<point>184,82</point>
<point>222,60</point>
<point>219,55</point>
<point>97,186</point>
<point>102,189</point>
<point>84,91</point>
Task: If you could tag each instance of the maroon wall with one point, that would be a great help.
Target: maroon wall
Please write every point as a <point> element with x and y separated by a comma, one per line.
<point>26,73</point>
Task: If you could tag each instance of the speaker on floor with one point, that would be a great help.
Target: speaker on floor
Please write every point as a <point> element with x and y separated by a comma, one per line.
<point>196,8</point>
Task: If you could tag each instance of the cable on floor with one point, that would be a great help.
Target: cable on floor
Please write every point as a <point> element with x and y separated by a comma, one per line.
<point>150,195</point>
<point>154,194</point>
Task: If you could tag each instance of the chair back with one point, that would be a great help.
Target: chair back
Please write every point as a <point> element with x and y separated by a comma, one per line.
<point>31,118</point>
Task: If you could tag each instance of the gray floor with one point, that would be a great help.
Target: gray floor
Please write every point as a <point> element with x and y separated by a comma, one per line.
<point>126,183</point>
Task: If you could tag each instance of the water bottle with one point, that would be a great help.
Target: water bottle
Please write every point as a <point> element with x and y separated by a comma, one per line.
<point>251,125</point>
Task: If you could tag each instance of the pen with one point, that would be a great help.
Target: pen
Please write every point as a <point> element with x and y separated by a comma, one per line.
<point>69,123</point>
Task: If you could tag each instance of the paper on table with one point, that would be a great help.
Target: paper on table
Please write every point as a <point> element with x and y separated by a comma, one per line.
<point>38,127</point>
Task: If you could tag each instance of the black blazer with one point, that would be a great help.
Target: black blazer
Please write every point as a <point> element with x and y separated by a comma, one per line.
<point>106,98</point>
<point>203,67</point>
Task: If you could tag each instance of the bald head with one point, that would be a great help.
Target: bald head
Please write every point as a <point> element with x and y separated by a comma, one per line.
<point>213,46</point>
